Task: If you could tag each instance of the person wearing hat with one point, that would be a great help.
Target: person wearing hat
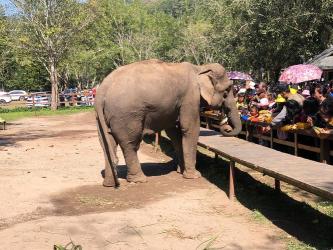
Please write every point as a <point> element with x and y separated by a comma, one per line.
<point>306,93</point>
<point>240,103</point>
<point>293,105</point>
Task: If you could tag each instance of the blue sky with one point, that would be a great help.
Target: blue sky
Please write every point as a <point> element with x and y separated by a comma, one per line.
<point>8,6</point>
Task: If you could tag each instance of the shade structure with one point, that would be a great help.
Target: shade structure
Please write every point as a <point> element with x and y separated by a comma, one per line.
<point>236,75</point>
<point>301,73</point>
<point>325,63</point>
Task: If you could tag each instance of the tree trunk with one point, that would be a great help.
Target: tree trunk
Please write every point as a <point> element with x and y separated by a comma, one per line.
<point>54,87</point>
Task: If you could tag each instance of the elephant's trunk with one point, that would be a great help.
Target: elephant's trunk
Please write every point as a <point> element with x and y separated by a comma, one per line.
<point>231,111</point>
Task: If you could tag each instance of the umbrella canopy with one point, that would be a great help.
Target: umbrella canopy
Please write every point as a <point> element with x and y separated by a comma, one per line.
<point>236,75</point>
<point>301,73</point>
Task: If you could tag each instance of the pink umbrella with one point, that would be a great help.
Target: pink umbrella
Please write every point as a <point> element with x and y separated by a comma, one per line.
<point>301,73</point>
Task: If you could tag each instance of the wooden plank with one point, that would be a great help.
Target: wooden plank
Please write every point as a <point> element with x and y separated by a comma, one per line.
<point>311,176</point>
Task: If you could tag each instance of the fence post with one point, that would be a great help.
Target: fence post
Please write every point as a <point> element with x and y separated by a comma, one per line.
<point>324,151</point>
<point>295,144</point>
<point>33,101</point>
<point>207,123</point>
<point>247,135</point>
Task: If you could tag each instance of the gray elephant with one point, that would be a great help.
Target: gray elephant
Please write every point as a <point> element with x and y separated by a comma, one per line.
<point>150,96</point>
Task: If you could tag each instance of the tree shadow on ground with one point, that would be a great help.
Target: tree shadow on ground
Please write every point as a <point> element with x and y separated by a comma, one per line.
<point>12,139</point>
<point>296,218</point>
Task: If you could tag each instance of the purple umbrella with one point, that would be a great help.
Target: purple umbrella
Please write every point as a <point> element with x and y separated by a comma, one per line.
<point>301,73</point>
<point>236,75</point>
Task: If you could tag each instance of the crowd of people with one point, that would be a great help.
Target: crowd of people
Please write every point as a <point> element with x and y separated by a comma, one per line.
<point>286,106</point>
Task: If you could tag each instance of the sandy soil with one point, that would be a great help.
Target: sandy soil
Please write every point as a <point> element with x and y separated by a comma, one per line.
<point>51,193</point>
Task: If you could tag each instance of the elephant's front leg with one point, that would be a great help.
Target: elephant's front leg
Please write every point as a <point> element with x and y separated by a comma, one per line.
<point>190,127</point>
<point>175,135</point>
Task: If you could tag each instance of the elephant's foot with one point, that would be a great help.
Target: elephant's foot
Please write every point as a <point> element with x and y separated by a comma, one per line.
<point>191,174</point>
<point>139,177</point>
<point>109,182</point>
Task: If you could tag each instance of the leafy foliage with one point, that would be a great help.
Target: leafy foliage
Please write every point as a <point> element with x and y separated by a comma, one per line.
<point>86,40</point>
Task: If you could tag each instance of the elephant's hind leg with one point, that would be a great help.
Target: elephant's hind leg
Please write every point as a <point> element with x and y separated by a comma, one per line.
<point>134,171</point>
<point>129,138</point>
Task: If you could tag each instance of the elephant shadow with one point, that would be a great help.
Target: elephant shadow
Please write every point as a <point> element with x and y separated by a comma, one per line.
<point>148,168</point>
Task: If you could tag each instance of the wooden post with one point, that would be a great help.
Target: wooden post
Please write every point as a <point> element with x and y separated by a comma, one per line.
<point>277,185</point>
<point>247,136</point>
<point>33,101</point>
<point>324,151</point>
<point>232,180</point>
<point>216,158</point>
<point>207,123</point>
<point>272,138</point>
<point>157,141</point>
<point>4,125</point>
<point>295,144</point>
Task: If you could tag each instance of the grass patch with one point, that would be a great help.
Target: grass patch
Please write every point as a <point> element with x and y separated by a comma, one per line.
<point>69,246</point>
<point>325,207</point>
<point>19,113</point>
<point>296,245</point>
<point>259,217</point>
<point>94,201</point>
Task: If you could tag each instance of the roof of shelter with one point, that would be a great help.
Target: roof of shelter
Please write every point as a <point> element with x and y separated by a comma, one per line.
<point>324,60</point>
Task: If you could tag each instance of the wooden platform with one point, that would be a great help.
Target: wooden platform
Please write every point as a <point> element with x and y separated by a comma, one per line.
<point>311,176</point>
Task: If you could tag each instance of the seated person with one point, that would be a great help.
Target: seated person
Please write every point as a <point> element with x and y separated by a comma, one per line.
<point>323,118</point>
<point>278,105</point>
<point>310,108</point>
<point>294,104</point>
<point>240,103</point>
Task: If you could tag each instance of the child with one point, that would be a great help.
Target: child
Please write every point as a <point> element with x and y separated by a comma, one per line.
<point>254,114</point>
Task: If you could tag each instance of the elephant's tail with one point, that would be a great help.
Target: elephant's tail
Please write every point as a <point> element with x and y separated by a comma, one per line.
<point>107,142</point>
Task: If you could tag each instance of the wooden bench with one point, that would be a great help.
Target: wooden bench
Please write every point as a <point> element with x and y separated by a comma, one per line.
<point>311,176</point>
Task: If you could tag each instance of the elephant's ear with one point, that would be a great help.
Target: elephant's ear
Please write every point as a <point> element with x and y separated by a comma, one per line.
<point>206,88</point>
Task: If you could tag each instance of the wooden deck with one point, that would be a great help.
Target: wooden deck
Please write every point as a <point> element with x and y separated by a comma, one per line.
<point>311,176</point>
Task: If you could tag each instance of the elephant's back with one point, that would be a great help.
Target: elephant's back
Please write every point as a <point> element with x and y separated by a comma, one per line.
<point>147,83</point>
<point>151,89</point>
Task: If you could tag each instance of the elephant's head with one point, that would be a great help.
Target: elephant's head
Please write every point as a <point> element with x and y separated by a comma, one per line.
<point>217,90</point>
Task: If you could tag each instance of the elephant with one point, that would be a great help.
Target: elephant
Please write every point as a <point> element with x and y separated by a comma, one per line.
<point>150,96</point>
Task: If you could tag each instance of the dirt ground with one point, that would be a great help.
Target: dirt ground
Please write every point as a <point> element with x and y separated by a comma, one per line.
<point>51,193</point>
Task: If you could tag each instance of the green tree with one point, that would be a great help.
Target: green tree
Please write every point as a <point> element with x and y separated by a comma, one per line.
<point>47,30</point>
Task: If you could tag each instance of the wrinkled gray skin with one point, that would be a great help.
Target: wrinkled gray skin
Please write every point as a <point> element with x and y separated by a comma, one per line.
<point>150,96</point>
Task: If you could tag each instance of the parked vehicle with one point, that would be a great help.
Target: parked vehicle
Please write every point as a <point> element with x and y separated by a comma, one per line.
<point>5,98</point>
<point>39,100</point>
<point>18,95</point>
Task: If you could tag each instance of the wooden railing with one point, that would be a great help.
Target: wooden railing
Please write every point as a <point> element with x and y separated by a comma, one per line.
<point>322,147</point>
<point>72,102</point>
